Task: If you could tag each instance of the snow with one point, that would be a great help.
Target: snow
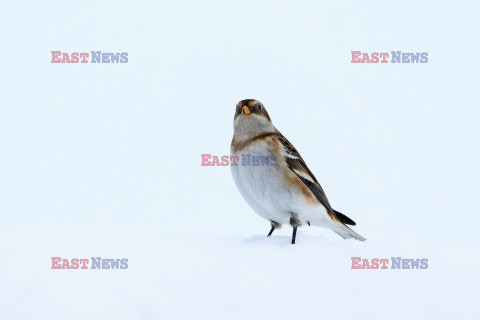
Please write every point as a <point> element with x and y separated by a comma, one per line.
<point>230,276</point>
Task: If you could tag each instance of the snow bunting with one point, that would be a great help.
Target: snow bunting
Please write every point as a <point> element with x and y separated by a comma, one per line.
<point>286,192</point>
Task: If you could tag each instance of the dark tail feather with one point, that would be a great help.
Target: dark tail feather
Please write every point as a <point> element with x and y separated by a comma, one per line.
<point>344,219</point>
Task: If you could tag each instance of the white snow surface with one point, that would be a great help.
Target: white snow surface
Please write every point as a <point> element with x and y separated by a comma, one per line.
<point>230,276</point>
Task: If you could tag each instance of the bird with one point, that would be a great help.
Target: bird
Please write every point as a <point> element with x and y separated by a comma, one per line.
<point>283,191</point>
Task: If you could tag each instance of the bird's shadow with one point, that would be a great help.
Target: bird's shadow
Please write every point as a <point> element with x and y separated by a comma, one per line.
<point>283,240</point>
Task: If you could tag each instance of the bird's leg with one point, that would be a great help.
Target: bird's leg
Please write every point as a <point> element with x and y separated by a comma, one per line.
<point>294,222</point>
<point>275,225</point>
<point>271,231</point>
<point>294,235</point>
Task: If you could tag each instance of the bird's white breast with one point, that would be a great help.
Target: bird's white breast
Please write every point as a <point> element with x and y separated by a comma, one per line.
<point>266,190</point>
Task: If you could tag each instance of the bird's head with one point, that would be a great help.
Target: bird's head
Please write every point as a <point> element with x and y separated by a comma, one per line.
<point>251,119</point>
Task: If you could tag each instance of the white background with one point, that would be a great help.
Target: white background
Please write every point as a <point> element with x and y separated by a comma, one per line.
<point>104,159</point>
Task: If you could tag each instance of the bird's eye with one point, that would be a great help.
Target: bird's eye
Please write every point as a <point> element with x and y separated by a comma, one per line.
<point>260,107</point>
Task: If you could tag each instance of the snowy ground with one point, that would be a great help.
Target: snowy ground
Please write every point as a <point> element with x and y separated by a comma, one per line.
<point>238,277</point>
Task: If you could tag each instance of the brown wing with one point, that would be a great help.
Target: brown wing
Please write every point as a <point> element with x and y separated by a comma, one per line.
<point>298,166</point>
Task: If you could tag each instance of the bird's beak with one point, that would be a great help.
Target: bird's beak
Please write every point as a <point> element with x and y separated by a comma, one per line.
<point>245,110</point>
